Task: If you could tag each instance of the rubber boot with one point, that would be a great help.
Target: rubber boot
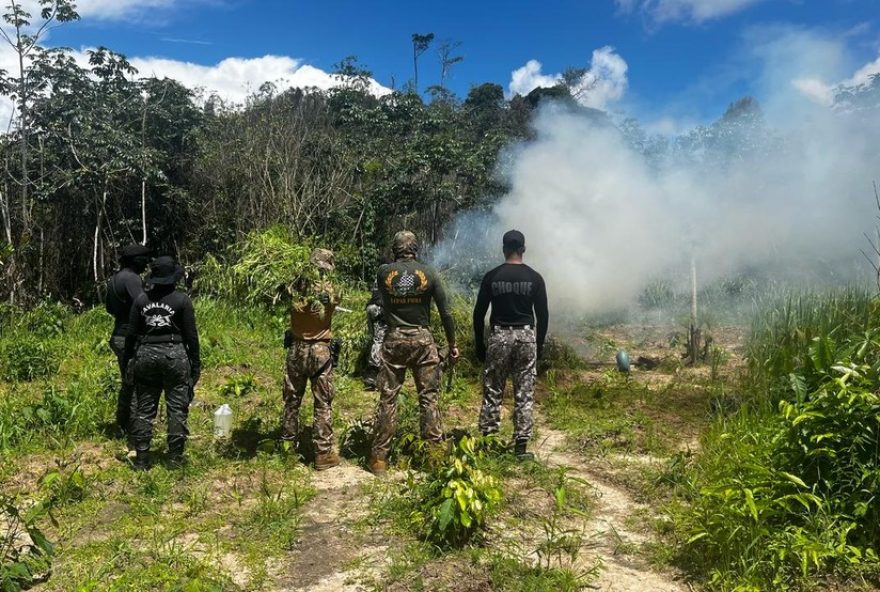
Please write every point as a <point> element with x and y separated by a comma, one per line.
<point>142,461</point>
<point>519,450</point>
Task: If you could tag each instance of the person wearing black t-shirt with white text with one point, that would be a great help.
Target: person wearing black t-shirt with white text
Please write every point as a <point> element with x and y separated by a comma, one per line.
<point>518,328</point>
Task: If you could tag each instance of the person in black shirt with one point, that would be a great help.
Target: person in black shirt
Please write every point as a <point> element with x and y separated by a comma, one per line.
<point>518,323</point>
<point>163,348</point>
<point>122,290</point>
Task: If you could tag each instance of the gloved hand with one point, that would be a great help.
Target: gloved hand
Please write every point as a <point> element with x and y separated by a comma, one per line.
<point>195,374</point>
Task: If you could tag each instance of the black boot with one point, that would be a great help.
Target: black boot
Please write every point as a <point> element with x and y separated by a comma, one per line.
<point>176,460</point>
<point>142,460</point>
<point>519,450</point>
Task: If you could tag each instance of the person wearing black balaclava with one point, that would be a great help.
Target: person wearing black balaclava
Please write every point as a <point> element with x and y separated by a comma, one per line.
<point>123,288</point>
<point>162,348</point>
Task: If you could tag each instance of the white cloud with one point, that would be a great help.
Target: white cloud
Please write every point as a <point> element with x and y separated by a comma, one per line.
<point>234,78</point>
<point>605,82</point>
<point>695,11</point>
<point>815,89</point>
<point>863,75</point>
<point>526,79</point>
<point>122,9</point>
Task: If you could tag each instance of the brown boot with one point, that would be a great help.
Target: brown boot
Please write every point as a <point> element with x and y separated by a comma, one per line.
<point>325,461</point>
<point>377,466</point>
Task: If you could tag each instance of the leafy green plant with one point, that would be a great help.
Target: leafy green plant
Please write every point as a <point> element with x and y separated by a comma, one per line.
<point>25,553</point>
<point>239,385</point>
<point>457,498</point>
<point>562,543</point>
<point>26,358</point>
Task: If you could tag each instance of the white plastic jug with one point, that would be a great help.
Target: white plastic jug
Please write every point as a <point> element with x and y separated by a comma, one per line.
<point>223,421</point>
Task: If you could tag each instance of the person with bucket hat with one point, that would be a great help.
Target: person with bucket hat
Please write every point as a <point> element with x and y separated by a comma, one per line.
<point>123,288</point>
<point>408,287</point>
<point>519,318</point>
<point>310,357</point>
<point>162,348</point>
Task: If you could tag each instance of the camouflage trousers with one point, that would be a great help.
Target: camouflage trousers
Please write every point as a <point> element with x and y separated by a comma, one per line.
<point>309,361</point>
<point>124,401</point>
<point>511,352</point>
<point>161,367</point>
<point>378,328</point>
<point>414,349</point>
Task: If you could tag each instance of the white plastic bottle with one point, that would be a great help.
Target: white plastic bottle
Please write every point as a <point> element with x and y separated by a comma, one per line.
<point>223,421</point>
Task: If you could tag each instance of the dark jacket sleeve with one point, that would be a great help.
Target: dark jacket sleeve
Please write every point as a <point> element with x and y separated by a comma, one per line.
<point>542,314</point>
<point>484,298</point>
<point>443,308</point>
<point>190,334</point>
<point>135,328</point>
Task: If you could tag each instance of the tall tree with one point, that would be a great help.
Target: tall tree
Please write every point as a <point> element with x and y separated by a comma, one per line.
<point>420,45</point>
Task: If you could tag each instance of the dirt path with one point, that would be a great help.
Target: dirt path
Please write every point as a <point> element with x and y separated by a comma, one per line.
<point>333,556</point>
<point>608,529</point>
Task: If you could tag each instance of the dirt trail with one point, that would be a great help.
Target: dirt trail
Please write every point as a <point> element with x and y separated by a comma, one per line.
<point>607,528</point>
<point>332,555</point>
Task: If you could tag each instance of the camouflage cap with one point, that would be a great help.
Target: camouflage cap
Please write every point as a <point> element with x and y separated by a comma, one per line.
<point>323,259</point>
<point>405,243</point>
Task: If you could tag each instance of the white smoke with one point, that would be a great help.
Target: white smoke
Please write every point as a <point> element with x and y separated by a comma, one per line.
<point>602,221</point>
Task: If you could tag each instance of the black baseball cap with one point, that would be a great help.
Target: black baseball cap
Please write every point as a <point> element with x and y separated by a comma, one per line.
<point>513,239</point>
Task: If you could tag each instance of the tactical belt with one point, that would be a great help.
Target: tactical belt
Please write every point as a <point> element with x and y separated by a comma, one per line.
<point>170,338</point>
<point>510,327</point>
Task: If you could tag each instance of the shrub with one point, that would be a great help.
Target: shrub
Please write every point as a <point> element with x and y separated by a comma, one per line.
<point>456,499</point>
<point>26,358</point>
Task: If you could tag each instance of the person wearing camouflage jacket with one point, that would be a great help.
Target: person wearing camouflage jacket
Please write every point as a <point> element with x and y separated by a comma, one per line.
<point>309,359</point>
<point>519,318</point>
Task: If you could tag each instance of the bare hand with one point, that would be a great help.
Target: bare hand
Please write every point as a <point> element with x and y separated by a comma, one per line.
<point>454,354</point>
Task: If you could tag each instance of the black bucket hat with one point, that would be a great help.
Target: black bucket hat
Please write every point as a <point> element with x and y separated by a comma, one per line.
<point>164,271</point>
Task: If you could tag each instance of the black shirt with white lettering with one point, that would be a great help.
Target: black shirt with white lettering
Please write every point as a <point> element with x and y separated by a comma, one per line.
<point>518,297</point>
<point>164,311</point>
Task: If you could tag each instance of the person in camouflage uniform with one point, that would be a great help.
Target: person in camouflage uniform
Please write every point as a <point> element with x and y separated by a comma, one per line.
<point>518,298</point>
<point>377,327</point>
<point>408,287</point>
<point>162,348</point>
<point>122,290</point>
<point>309,358</point>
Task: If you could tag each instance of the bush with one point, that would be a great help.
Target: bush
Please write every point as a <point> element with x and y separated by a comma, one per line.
<point>27,358</point>
<point>779,495</point>
<point>456,499</point>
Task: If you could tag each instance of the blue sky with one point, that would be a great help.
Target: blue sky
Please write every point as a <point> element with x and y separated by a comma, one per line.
<point>683,58</point>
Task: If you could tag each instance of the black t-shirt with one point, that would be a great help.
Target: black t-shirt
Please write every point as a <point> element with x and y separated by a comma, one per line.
<point>122,290</point>
<point>518,297</point>
<point>161,312</point>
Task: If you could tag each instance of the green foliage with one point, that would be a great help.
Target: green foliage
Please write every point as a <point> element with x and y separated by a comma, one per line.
<point>238,385</point>
<point>26,358</point>
<point>259,270</point>
<point>457,498</point>
<point>27,555</point>
<point>786,493</point>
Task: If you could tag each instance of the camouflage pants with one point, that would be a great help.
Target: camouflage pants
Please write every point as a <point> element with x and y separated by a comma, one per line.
<point>407,348</point>
<point>124,402</point>
<point>309,361</point>
<point>511,352</point>
<point>378,328</point>
<point>161,367</point>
